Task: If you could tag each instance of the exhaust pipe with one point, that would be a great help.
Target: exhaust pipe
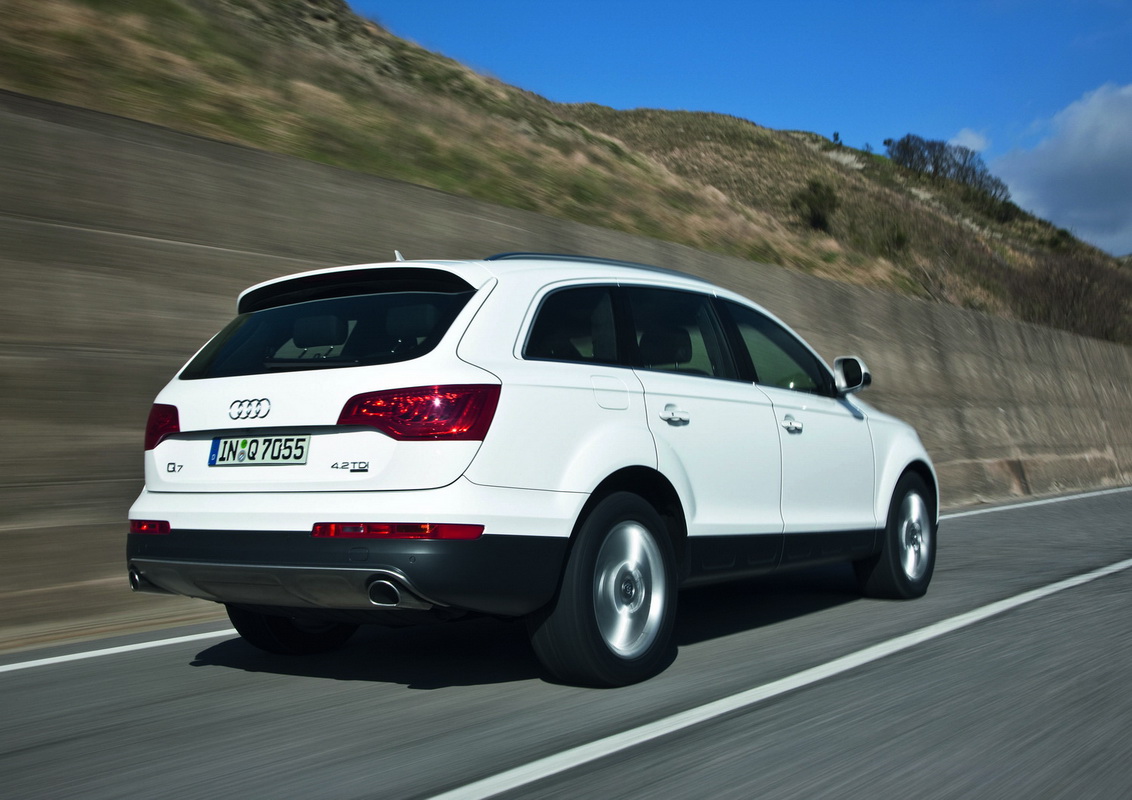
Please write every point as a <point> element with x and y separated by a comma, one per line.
<point>139,583</point>
<point>389,591</point>
<point>385,594</point>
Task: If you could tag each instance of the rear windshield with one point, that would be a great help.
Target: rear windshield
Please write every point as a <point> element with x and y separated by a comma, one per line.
<point>349,331</point>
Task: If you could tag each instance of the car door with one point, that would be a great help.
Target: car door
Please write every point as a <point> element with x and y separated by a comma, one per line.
<point>715,434</point>
<point>828,471</point>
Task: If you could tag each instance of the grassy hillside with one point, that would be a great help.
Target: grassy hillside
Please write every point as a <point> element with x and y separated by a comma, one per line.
<point>312,79</point>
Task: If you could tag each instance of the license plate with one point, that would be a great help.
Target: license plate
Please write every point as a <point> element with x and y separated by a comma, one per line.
<point>258,451</point>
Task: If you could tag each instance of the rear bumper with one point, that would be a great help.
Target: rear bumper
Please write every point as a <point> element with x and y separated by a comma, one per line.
<point>256,549</point>
<point>503,575</point>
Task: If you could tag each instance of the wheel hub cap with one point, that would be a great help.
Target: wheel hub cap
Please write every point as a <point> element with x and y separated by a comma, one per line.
<point>632,590</point>
<point>629,593</point>
<point>915,536</point>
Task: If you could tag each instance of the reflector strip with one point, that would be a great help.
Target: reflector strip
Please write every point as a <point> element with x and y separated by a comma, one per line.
<point>396,530</point>
<point>154,526</point>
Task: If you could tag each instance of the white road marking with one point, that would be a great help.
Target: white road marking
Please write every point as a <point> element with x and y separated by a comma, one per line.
<point>111,651</point>
<point>1029,503</point>
<point>569,759</point>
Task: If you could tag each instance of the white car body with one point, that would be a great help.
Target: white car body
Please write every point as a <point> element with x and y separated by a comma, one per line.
<point>748,477</point>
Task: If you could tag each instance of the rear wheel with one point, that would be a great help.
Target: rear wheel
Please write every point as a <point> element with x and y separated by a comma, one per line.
<point>288,635</point>
<point>903,568</point>
<point>611,622</point>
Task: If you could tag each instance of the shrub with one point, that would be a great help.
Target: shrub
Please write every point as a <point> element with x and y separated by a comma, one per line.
<point>894,240</point>
<point>816,204</point>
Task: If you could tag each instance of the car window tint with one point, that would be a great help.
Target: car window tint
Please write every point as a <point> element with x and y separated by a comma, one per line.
<point>336,332</point>
<point>777,356</point>
<point>678,332</point>
<point>574,325</point>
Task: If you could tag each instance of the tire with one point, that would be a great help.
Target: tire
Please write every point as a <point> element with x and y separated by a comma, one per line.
<point>903,568</point>
<point>611,622</point>
<point>288,635</point>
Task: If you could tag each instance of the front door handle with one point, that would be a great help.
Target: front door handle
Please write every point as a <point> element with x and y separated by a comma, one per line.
<point>674,415</point>
<point>791,425</point>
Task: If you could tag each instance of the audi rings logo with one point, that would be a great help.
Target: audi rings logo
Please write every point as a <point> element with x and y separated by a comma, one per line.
<point>250,409</point>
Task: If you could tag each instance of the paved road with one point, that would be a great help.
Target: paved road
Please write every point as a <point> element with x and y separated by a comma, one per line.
<point>1033,702</point>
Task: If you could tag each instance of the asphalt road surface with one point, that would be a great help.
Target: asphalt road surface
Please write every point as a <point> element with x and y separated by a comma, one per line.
<point>786,688</point>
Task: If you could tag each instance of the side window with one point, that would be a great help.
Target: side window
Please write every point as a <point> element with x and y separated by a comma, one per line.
<point>779,359</point>
<point>574,325</point>
<point>678,332</point>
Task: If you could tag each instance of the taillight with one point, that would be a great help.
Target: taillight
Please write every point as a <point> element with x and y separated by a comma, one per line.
<point>396,530</point>
<point>163,421</point>
<point>461,413</point>
<point>154,526</point>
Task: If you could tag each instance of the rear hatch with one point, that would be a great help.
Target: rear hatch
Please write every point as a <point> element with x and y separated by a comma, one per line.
<point>341,380</point>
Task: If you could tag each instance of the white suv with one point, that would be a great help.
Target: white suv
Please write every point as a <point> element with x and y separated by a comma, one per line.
<point>564,439</point>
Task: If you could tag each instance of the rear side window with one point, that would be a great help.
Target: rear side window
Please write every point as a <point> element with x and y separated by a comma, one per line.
<point>678,331</point>
<point>349,331</point>
<point>575,325</point>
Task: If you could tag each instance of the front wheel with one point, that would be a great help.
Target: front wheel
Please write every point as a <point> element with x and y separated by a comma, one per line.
<point>903,568</point>
<point>611,622</point>
<point>288,635</point>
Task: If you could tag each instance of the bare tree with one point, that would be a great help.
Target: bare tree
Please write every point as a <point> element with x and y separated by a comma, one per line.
<point>945,161</point>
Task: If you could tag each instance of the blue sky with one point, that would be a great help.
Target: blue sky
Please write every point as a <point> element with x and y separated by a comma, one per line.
<point>1042,89</point>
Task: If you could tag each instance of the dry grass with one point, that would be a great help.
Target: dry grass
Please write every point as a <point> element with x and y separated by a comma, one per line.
<point>311,79</point>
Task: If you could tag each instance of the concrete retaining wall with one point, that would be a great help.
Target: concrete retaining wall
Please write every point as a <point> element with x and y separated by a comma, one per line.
<point>122,246</point>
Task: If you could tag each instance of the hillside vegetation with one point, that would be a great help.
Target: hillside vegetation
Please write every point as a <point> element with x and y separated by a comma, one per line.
<point>312,79</point>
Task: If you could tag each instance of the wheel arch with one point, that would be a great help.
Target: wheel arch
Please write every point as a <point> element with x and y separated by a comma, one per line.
<point>927,474</point>
<point>891,476</point>
<point>657,491</point>
<point>898,451</point>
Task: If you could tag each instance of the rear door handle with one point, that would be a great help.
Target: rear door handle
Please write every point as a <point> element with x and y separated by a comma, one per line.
<point>674,415</point>
<point>791,425</point>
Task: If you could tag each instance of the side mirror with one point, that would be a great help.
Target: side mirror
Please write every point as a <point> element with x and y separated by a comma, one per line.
<point>851,375</point>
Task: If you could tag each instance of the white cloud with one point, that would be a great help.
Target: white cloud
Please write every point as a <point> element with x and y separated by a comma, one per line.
<point>1080,176</point>
<point>972,140</point>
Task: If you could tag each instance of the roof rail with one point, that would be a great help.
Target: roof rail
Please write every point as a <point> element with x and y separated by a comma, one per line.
<point>589,260</point>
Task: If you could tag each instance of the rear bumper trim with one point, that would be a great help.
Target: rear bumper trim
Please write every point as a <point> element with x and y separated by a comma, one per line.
<point>295,587</point>
<point>500,575</point>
